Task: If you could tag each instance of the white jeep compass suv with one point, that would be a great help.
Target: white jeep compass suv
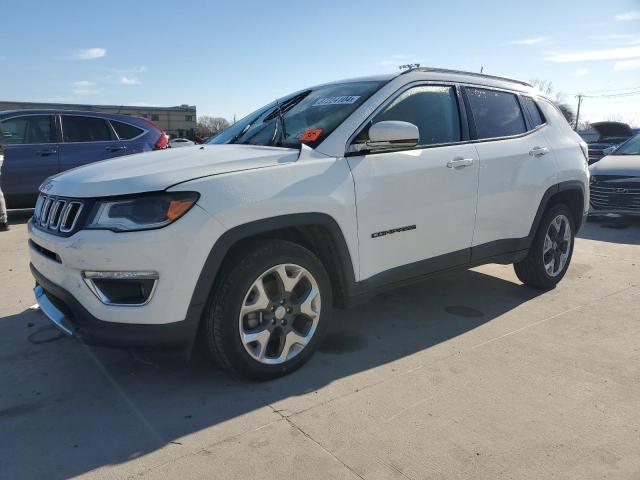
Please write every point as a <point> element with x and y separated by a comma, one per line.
<point>319,199</point>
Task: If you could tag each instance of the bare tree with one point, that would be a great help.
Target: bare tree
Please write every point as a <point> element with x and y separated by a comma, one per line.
<point>559,98</point>
<point>208,126</point>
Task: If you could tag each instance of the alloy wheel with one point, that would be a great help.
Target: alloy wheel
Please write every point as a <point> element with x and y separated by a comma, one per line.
<point>280,314</point>
<point>557,245</point>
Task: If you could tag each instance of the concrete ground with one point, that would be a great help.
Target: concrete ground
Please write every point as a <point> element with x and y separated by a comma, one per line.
<point>468,375</point>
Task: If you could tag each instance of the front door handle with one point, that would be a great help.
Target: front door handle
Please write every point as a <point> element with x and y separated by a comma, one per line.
<point>458,163</point>
<point>116,149</point>
<point>46,153</point>
<point>538,151</point>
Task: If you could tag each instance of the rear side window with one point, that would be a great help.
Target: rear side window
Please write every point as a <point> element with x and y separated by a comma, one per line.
<point>76,128</point>
<point>433,109</point>
<point>495,114</point>
<point>126,131</point>
<point>533,110</point>
<point>29,130</point>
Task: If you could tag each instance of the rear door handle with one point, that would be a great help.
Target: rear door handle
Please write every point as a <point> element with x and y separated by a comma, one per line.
<point>458,163</point>
<point>538,151</point>
<point>116,149</point>
<point>46,153</point>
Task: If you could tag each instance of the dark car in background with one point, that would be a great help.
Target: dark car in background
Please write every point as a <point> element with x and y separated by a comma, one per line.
<point>41,143</point>
<point>615,181</point>
<point>609,134</point>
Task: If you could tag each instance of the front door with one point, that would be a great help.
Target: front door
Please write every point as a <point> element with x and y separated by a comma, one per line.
<point>416,207</point>
<point>30,156</point>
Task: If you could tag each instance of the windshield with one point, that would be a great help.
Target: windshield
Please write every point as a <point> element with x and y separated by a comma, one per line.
<point>308,116</point>
<point>631,147</point>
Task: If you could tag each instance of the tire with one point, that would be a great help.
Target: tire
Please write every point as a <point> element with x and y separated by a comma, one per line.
<point>532,271</point>
<point>275,318</point>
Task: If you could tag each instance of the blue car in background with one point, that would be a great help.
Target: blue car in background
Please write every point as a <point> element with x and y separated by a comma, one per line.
<point>41,143</point>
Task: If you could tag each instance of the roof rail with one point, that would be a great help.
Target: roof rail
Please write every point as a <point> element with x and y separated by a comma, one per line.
<point>462,72</point>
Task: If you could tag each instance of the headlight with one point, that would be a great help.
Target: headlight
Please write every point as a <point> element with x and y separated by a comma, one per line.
<point>142,212</point>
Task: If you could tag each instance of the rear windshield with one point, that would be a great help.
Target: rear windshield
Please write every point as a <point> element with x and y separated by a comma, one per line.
<point>305,117</point>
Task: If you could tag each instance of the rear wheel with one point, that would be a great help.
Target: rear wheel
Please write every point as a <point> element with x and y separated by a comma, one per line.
<point>550,254</point>
<point>270,311</point>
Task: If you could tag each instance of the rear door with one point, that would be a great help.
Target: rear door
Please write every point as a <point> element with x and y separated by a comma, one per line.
<point>516,168</point>
<point>30,156</point>
<point>87,139</point>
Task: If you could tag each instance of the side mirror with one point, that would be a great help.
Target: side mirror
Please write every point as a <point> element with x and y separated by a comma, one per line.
<point>392,134</point>
<point>609,150</point>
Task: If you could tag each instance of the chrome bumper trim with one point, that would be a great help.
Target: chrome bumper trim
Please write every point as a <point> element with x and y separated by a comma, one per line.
<point>52,312</point>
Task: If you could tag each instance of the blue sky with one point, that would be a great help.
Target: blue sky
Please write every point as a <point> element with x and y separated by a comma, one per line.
<point>231,57</point>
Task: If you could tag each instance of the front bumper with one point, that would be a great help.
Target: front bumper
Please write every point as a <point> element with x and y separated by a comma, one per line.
<point>64,310</point>
<point>176,253</point>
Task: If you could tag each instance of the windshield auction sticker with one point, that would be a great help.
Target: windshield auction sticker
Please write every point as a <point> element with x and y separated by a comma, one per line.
<point>343,100</point>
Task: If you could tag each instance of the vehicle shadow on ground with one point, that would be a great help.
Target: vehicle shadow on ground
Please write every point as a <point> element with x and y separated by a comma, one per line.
<point>18,217</point>
<point>67,409</point>
<point>623,230</point>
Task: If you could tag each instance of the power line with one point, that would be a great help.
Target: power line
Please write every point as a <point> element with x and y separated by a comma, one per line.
<point>605,90</point>
<point>614,95</point>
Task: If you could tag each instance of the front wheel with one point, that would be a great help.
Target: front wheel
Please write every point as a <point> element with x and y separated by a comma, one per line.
<point>550,253</point>
<point>270,311</point>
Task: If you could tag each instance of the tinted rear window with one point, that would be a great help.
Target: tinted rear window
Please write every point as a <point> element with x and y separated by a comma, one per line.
<point>76,128</point>
<point>496,114</point>
<point>28,129</point>
<point>534,112</point>
<point>126,131</point>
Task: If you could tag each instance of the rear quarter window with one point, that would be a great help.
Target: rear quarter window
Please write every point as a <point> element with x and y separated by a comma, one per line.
<point>535,115</point>
<point>495,114</point>
<point>126,131</point>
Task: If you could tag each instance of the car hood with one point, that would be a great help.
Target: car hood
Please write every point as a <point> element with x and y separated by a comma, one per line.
<point>618,165</point>
<point>612,129</point>
<point>158,170</point>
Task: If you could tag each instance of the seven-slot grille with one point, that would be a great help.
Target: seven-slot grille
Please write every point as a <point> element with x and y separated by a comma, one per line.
<point>618,195</point>
<point>56,214</point>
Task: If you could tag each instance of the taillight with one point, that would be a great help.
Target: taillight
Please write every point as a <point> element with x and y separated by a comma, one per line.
<point>585,151</point>
<point>163,141</point>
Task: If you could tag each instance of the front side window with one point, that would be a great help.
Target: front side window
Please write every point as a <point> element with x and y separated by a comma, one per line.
<point>433,109</point>
<point>305,117</point>
<point>29,129</point>
<point>534,112</point>
<point>495,114</point>
<point>76,128</point>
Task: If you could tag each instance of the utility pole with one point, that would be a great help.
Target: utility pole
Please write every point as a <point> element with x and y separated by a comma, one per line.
<point>578,111</point>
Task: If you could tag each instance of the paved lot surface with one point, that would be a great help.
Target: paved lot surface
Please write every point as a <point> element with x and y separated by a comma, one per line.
<point>469,375</point>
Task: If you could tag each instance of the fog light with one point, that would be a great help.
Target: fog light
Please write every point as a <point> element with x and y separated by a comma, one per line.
<point>122,288</point>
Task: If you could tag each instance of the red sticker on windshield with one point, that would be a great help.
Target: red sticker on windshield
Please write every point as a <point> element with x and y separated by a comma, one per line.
<point>310,135</point>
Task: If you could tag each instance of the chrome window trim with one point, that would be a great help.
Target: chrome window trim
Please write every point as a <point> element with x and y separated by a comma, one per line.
<point>144,131</point>
<point>107,120</point>
<point>405,87</point>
